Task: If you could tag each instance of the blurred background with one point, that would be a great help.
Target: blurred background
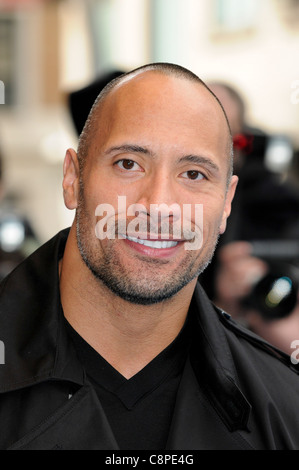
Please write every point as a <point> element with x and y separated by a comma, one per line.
<point>50,48</point>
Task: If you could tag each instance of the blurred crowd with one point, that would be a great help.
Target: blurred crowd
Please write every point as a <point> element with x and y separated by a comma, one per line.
<point>255,271</point>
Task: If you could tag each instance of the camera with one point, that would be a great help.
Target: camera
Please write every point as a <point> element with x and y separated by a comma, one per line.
<point>276,294</point>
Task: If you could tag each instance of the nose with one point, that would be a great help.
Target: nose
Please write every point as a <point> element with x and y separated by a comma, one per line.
<point>159,197</point>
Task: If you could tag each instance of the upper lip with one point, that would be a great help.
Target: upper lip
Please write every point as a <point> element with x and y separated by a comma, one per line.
<point>158,238</point>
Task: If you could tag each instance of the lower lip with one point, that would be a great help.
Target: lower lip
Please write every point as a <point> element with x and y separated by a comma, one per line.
<point>154,252</point>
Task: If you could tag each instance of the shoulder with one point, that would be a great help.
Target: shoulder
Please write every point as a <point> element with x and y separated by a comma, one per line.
<point>256,353</point>
<point>31,288</point>
<point>39,267</point>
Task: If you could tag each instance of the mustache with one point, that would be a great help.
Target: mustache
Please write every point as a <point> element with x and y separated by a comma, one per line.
<point>167,223</point>
<point>148,229</point>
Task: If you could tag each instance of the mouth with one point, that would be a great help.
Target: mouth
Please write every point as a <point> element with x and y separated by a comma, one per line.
<point>156,244</point>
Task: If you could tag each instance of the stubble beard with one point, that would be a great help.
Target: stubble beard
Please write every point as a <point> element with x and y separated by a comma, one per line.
<point>147,283</point>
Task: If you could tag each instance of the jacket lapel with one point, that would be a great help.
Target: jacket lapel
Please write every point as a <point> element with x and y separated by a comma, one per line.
<point>196,424</point>
<point>79,425</point>
<point>214,366</point>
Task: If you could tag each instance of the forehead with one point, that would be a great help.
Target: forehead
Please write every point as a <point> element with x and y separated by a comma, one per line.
<point>164,109</point>
<point>163,92</point>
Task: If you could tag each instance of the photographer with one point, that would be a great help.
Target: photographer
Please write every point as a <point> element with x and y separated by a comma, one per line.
<point>265,208</point>
<point>237,278</point>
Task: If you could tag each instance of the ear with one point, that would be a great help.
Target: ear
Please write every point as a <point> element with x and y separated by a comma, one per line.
<point>71,179</point>
<point>228,202</point>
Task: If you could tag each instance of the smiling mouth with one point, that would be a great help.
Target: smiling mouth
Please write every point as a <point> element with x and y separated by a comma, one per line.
<point>158,244</point>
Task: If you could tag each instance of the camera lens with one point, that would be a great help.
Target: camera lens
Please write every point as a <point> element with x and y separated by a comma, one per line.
<point>275,295</point>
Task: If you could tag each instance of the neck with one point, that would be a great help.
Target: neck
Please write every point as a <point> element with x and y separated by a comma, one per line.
<point>128,336</point>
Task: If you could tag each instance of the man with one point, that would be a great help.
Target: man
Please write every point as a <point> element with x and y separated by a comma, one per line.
<point>109,341</point>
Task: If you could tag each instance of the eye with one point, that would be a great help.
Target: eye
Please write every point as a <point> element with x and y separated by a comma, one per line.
<point>127,165</point>
<point>193,175</point>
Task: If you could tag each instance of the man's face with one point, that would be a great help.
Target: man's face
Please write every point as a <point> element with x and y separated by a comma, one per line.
<point>160,140</point>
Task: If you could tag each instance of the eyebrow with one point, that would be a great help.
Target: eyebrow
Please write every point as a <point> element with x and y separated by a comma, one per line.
<point>130,148</point>
<point>200,160</point>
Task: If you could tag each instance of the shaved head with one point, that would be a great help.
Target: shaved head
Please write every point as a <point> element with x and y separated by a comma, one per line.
<point>156,136</point>
<point>92,122</point>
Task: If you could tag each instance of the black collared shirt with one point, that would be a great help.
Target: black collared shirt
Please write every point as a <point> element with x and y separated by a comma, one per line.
<point>139,410</point>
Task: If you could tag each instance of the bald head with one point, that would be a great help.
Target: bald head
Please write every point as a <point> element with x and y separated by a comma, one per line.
<point>95,119</point>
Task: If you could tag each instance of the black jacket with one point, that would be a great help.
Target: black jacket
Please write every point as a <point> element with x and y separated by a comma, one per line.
<point>237,392</point>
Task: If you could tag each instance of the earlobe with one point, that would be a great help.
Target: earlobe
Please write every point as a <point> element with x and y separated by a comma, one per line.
<point>71,179</point>
<point>228,202</point>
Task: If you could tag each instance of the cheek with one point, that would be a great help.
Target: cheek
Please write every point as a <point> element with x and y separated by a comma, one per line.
<point>212,219</point>
<point>96,191</point>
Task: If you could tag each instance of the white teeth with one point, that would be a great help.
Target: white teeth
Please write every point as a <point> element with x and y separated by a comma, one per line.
<point>152,243</point>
